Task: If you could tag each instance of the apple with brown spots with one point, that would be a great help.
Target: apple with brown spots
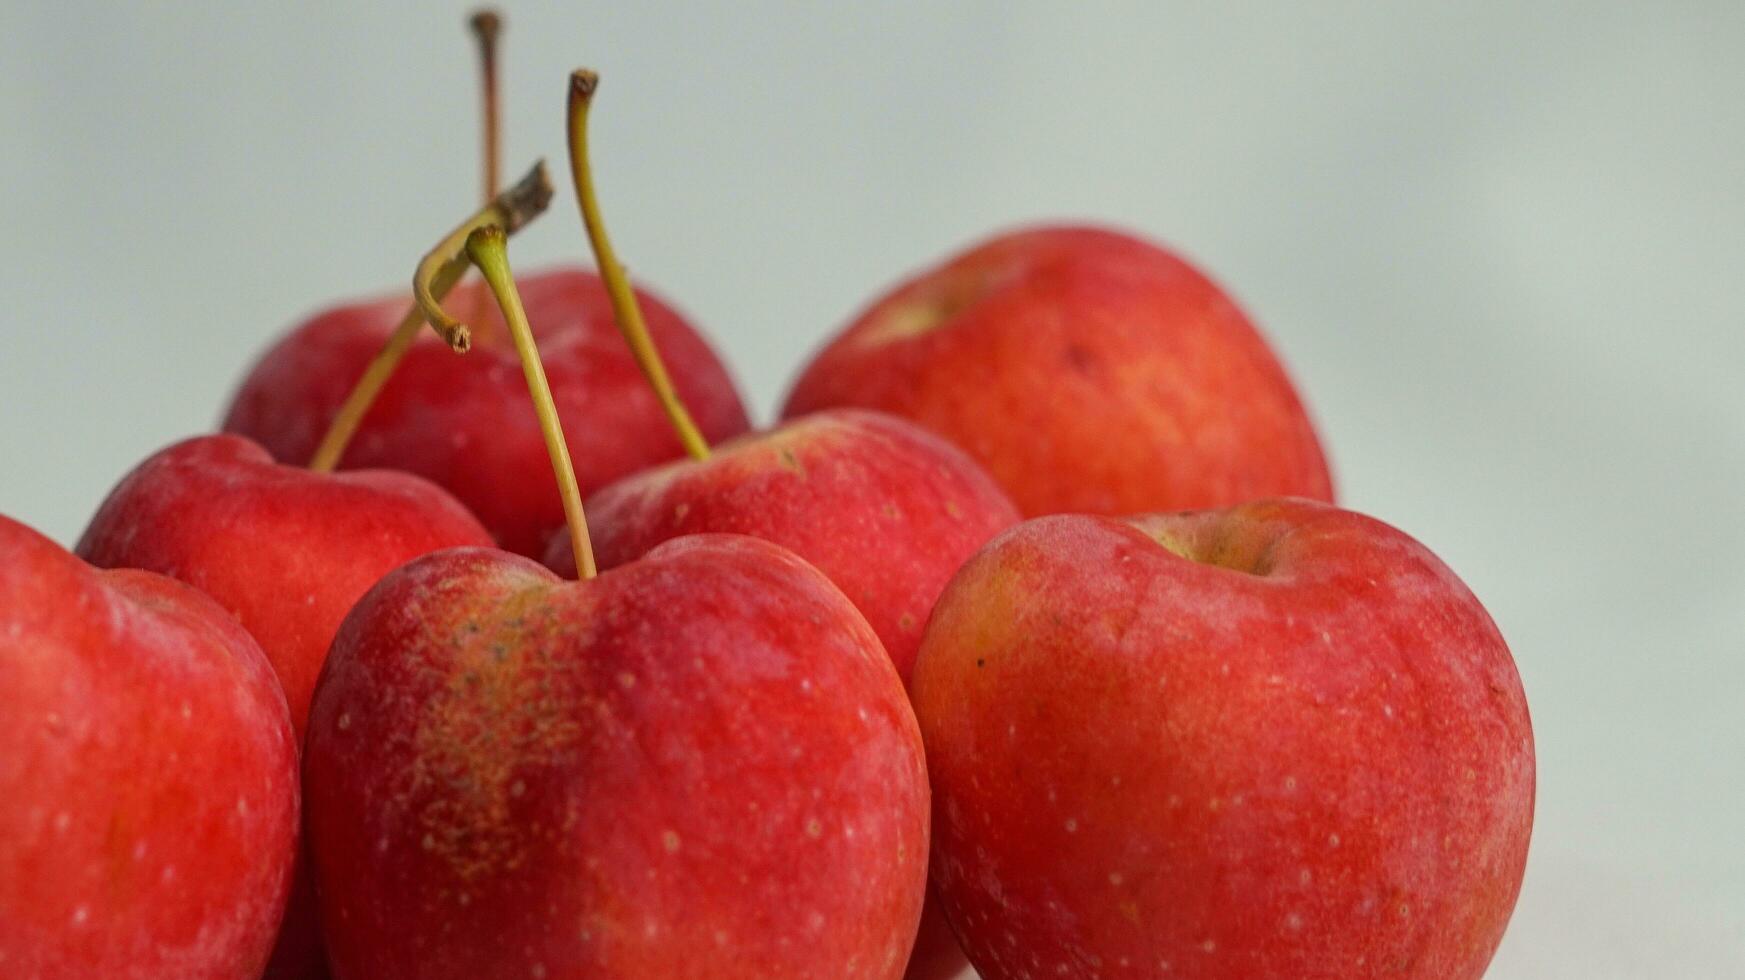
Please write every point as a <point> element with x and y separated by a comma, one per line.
<point>1089,371</point>
<point>1279,740</point>
<point>698,764</point>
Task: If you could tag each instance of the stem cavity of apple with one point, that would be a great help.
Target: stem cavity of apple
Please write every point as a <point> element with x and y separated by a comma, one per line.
<point>438,271</point>
<point>625,309</point>
<point>488,249</point>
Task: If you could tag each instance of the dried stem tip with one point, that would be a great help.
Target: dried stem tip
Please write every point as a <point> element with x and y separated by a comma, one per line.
<point>583,83</point>
<point>487,23</point>
<point>509,211</point>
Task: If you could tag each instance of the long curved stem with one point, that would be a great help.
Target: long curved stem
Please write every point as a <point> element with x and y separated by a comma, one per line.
<point>440,269</point>
<point>624,306</point>
<point>489,251</point>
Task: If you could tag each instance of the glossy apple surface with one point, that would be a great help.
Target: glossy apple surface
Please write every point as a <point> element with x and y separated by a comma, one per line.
<point>1087,370</point>
<point>464,422</point>
<point>1281,740</point>
<point>699,764</point>
<point>148,776</point>
<point>884,509</point>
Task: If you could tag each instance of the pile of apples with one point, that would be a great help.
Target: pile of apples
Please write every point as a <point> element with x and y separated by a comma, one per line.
<point>1030,634</point>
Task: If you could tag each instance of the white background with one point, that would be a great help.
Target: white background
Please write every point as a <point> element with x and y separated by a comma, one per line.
<point>1502,250</point>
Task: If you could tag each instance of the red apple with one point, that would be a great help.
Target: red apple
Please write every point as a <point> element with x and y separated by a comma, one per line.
<point>1280,740</point>
<point>286,550</point>
<point>1087,370</point>
<point>464,422</point>
<point>289,552</point>
<point>884,509</point>
<point>700,764</point>
<point>148,776</point>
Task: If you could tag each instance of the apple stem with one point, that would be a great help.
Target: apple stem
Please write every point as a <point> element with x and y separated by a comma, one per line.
<point>533,194</point>
<point>487,24</point>
<point>625,308</point>
<point>488,248</point>
<point>440,269</point>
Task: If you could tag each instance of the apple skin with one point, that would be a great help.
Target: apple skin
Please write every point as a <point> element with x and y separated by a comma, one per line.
<point>148,776</point>
<point>288,552</point>
<point>465,422</point>
<point>1087,370</point>
<point>885,509</point>
<point>699,764</point>
<point>1302,750</point>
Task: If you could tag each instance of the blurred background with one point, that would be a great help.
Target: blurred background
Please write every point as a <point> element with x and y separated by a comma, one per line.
<point>1500,246</point>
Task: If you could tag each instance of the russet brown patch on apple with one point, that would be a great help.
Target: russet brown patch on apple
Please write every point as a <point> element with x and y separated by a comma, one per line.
<point>495,724</point>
